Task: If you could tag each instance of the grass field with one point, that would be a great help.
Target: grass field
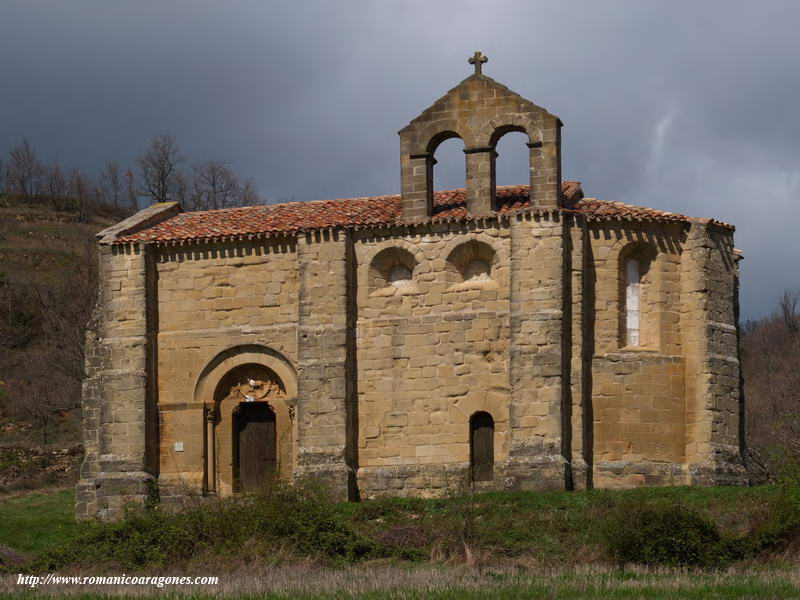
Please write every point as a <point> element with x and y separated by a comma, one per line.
<point>550,527</point>
<point>525,545</point>
<point>33,522</point>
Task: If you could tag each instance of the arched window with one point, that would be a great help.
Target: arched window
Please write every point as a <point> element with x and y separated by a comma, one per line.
<point>481,446</point>
<point>469,265</point>
<point>632,301</point>
<point>392,272</point>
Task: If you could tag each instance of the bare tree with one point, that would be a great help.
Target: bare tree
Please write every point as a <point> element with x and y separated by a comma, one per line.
<point>56,187</point>
<point>111,183</point>
<point>19,318</point>
<point>160,167</point>
<point>3,177</point>
<point>66,305</point>
<point>214,185</point>
<point>771,367</point>
<point>131,193</point>
<point>40,401</point>
<point>248,196</point>
<point>96,192</point>
<point>24,171</point>
<point>79,190</point>
<point>788,305</point>
<point>183,189</point>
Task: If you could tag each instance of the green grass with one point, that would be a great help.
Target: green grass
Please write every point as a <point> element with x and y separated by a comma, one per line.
<point>546,529</point>
<point>551,528</point>
<point>527,545</point>
<point>34,522</point>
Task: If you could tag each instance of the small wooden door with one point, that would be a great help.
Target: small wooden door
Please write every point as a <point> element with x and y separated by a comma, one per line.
<point>255,456</point>
<point>481,446</point>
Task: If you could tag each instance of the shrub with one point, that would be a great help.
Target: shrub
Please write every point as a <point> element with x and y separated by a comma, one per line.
<point>657,533</point>
<point>300,518</point>
<point>408,542</point>
<point>780,525</point>
<point>304,515</point>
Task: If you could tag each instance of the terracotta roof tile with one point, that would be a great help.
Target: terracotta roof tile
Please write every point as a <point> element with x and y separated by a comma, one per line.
<point>375,211</point>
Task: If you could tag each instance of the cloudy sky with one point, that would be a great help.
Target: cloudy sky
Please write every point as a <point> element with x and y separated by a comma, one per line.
<point>684,106</point>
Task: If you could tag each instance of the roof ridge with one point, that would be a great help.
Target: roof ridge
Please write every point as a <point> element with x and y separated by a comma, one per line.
<point>375,212</point>
<point>354,198</point>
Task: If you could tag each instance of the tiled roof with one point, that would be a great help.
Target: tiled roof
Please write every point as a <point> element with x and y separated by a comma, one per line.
<point>375,211</point>
<point>606,209</point>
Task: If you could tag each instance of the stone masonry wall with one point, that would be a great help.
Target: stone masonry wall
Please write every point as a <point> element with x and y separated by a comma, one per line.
<point>713,387</point>
<point>115,471</point>
<point>322,362</point>
<point>431,353</point>
<point>215,299</point>
<point>441,347</point>
<point>638,405</point>
<point>539,449</point>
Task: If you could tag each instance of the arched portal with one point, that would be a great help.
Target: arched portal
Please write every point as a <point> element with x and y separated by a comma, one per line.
<point>251,439</point>
<point>250,395</point>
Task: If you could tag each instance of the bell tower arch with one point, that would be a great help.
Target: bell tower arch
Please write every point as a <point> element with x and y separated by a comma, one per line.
<point>480,111</point>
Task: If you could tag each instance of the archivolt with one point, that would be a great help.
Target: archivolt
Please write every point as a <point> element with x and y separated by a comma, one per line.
<point>236,356</point>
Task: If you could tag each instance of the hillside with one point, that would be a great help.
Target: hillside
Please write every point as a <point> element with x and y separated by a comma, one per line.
<point>47,288</point>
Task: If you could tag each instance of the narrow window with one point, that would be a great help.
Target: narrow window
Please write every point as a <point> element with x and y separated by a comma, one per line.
<point>481,446</point>
<point>632,300</point>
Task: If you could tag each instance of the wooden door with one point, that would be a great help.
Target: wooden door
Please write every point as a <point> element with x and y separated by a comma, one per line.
<point>481,445</point>
<point>255,437</point>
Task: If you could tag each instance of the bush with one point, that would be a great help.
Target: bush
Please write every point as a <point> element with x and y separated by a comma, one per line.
<point>780,526</point>
<point>658,533</point>
<point>304,515</point>
<point>299,518</point>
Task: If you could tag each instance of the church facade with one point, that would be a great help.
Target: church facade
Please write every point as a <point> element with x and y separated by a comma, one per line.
<point>517,337</point>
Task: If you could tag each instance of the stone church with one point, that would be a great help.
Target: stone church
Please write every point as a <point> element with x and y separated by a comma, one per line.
<point>518,337</point>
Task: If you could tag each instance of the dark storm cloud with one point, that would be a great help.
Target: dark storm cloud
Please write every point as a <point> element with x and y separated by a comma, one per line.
<point>683,106</point>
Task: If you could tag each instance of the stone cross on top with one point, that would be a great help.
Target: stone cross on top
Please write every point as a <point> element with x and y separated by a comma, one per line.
<point>478,59</point>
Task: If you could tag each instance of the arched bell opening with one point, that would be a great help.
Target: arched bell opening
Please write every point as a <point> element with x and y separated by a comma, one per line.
<point>512,163</point>
<point>448,168</point>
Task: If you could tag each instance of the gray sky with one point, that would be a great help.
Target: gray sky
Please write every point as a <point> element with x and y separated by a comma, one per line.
<point>684,106</point>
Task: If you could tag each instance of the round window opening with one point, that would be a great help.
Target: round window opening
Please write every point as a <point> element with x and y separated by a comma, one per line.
<point>400,276</point>
<point>477,270</point>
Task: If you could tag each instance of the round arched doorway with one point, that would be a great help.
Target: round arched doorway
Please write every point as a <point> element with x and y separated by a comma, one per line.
<point>251,435</point>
